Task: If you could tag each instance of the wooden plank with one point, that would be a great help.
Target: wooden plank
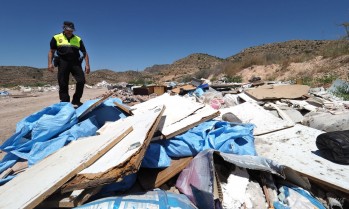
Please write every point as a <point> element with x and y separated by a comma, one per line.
<point>20,166</point>
<point>32,186</point>
<point>177,108</point>
<point>154,178</point>
<point>278,92</point>
<point>124,108</point>
<point>246,98</point>
<point>185,88</point>
<point>282,114</point>
<point>96,104</point>
<point>124,158</point>
<point>296,148</point>
<point>5,173</point>
<point>264,121</point>
<point>199,116</point>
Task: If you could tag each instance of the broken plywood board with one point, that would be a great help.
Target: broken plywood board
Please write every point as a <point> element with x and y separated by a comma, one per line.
<point>31,187</point>
<point>124,158</point>
<point>177,108</point>
<point>124,108</point>
<point>278,92</point>
<point>296,148</point>
<point>246,98</point>
<point>302,104</point>
<point>185,88</point>
<point>199,116</point>
<point>264,121</point>
<point>96,104</point>
<point>150,178</point>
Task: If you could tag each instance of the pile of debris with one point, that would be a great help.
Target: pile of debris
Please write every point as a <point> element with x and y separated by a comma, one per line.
<point>191,146</point>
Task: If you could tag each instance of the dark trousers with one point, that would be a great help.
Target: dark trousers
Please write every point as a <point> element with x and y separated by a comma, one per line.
<point>64,70</point>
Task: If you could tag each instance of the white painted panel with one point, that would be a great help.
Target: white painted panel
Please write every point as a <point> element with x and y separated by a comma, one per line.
<point>198,117</point>
<point>29,188</point>
<point>177,107</point>
<point>141,123</point>
<point>264,121</point>
<point>295,147</point>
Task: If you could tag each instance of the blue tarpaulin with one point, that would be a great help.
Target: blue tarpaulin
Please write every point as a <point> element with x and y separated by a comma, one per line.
<point>233,138</point>
<point>219,135</point>
<point>46,131</point>
<point>41,126</point>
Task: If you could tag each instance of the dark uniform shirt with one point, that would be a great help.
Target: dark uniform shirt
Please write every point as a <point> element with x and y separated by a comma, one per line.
<point>66,52</point>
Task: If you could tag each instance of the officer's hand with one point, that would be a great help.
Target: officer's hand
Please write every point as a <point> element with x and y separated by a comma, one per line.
<point>50,68</point>
<point>87,69</point>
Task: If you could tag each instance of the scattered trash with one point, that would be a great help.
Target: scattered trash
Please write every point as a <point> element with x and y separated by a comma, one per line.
<point>198,145</point>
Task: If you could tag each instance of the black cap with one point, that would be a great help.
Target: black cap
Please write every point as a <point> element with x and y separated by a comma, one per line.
<point>67,25</point>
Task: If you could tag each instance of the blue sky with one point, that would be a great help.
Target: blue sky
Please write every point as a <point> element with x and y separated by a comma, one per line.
<point>134,34</point>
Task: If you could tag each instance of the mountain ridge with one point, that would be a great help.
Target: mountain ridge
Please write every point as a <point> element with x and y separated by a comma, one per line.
<point>193,65</point>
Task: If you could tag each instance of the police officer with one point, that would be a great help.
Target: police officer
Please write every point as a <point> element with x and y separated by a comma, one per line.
<point>68,60</point>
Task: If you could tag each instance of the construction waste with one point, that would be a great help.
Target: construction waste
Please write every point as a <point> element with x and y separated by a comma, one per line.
<point>196,145</point>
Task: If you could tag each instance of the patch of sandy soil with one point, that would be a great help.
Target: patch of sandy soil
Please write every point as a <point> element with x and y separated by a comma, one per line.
<point>15,109</point>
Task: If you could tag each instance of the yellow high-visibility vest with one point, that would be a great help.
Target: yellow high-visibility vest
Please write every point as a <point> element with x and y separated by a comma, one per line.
<point>62,41</point>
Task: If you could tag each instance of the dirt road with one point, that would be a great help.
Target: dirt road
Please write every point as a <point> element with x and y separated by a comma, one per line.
<point>12,110</point>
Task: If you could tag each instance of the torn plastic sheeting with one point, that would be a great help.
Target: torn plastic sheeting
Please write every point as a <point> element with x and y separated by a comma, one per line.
<point>41,126</point>
<point>103,112</point>
<point>156,157</point>
<point>7,179</point>
<point>47,123</point>
<point>296,197</point>
<point>4,93</point>
<point>151,199</point>
<point>218,135</point>
<point>199,174</point>
<point>254,163</point>
<point>42,149</point>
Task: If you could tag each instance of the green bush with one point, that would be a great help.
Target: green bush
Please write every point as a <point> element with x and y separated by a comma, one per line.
<point>234,79</point>
<point>342,92</point>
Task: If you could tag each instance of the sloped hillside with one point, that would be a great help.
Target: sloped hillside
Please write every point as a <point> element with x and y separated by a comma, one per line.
<point>22,75</point>
<point>283,50</point>
<point>185,67</point>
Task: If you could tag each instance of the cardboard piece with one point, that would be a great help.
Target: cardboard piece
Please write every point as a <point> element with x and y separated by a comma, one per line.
<point>269,92</point>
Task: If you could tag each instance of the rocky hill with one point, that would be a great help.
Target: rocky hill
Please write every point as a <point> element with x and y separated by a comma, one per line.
<point>277,61</point>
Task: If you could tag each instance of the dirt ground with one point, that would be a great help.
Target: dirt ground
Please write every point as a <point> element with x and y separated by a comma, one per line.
<point>15,109</point>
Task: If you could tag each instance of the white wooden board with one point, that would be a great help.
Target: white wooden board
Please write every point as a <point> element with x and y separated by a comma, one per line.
<point>177,107</point>
<point>32,186</point>
<point>141,123</point>
<point>246,98</point>
<point>189,122</point>
<point>295,147</point>
<point>264,121</point>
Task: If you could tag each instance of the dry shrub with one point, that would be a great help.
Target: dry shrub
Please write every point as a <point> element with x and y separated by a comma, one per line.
<point>336,49</point>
